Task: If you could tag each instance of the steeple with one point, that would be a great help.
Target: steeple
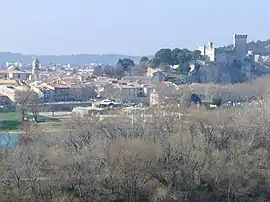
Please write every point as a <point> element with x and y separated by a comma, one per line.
<point>35,63</point>
<point>35,68</point>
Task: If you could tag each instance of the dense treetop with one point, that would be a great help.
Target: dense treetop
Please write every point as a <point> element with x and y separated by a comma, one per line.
<point>176,56</point>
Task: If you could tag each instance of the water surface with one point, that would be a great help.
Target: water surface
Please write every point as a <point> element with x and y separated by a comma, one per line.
<point>9,139</point>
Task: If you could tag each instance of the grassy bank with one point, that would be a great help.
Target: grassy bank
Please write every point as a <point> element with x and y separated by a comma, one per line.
<point>12,120</point>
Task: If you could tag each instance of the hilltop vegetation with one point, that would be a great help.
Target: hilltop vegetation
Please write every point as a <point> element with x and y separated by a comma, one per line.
<point>182,57</point>
<point>176,56</point>
<point>260,47</point>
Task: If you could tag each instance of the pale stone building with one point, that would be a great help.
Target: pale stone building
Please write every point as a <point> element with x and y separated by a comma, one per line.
<point>60,91</point>
<point>151,71</point>
<point>18,93</point>
<point>127,91</point>
<point>35,70</point>
<point>134,92</point>
<point>208,52</point>
<point>15,73</point>
<point>86,111</point>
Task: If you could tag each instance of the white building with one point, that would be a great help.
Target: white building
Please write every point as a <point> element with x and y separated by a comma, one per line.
<point>134,92</point>
<point>15,73</point>
<point>208,52</point>
<point>19,93</point>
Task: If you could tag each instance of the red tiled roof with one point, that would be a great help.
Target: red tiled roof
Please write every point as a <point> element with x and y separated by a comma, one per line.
<point>69,85</point>
<point>59,85</point>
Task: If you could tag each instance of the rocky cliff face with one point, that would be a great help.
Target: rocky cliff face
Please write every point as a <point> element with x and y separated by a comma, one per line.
<point>220,73</point>
<point>232,70</point>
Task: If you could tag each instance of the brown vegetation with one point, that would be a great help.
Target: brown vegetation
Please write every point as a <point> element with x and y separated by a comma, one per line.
<point>156,155</point>
<point>257,89</point>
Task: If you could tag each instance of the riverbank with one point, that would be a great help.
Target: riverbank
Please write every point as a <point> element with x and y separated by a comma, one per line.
<point>10,132</point>
<point>9,139</point>
<point>11,121</point>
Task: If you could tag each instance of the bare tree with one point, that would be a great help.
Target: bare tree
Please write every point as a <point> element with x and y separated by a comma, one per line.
<point>28,98</point>
<point>152,155</point>
<point>35,106</point>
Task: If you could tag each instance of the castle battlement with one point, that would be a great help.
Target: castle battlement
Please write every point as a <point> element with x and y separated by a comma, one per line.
<point>240,35</point>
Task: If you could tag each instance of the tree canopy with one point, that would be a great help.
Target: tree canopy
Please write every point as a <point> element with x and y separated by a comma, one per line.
<point>124,66</point>
<point>165,56</point>
<point>144,60</point>
<point>176,56</point>
<point>126,63</point>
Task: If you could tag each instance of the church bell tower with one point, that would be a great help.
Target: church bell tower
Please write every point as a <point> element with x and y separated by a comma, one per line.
<point>35,69</point>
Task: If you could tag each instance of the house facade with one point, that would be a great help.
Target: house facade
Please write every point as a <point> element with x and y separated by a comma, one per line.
<point>134,92</point>
<point>62,92</point>
<point>15,73</point>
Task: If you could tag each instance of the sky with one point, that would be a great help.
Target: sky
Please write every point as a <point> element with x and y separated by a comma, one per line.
<point>133,27</point>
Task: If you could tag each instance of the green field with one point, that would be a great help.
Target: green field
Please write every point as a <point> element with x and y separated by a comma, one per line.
<point>12,120</point>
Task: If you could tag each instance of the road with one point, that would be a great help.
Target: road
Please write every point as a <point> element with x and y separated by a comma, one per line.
<point>70,102</point>
<point>56,114</point>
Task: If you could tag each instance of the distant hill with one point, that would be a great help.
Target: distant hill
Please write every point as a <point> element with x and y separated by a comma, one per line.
<point>79,59</point>
<point>258,47</point>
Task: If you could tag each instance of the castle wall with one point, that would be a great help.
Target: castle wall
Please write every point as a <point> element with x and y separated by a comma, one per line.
<point>210,52</point>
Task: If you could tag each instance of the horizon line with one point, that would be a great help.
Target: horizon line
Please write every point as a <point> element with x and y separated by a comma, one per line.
<point>73,54</point>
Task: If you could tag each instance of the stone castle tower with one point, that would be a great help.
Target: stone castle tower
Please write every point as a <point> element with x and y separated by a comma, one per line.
<point>208,52</point>
<point>240,45</point>
<point>35,69</point>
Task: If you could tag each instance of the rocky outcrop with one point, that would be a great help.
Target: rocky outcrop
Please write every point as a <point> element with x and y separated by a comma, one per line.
<point>228,71</point>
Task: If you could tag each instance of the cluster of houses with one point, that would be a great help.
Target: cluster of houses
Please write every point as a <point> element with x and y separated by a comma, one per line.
<point>16,85</point>
<point>157,87</point>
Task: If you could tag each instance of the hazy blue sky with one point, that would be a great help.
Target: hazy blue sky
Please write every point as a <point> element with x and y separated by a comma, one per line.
<point>135,27</point>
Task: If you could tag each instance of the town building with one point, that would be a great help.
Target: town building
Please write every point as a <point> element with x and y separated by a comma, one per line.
<point>59,91</point>
<point>134,92</point>
<point>9,82</point>
<point>151,71</point>
<point>89,111</point>
<point>18,94</point>
<point>126,91</point>
<point>15,73</point>
<point>16,64</point>
<point>35,70</point>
